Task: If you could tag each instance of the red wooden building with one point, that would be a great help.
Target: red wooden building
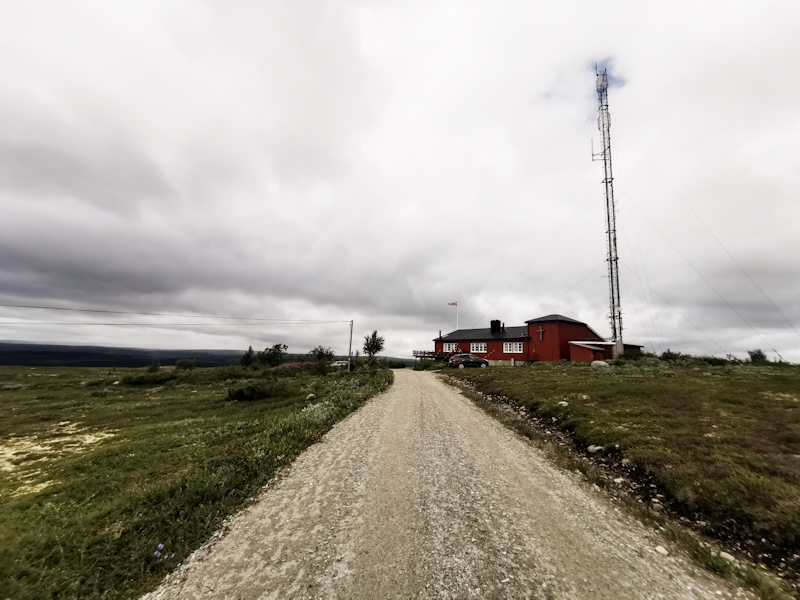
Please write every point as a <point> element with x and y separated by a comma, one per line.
<point>550,338</point>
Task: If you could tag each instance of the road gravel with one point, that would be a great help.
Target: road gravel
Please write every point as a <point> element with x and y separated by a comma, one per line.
<point>419,494</point>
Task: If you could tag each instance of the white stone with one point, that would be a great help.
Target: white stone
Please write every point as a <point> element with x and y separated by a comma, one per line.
<point>727,556</point>
<point>661,550</point>
<point>562,403</point>
<point>593,449</point>
<point>599,364</point>
<point>619,480</point>
<point>310,397</point>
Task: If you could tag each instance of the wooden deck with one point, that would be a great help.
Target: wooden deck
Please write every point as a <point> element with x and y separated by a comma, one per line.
<point>429,355</point>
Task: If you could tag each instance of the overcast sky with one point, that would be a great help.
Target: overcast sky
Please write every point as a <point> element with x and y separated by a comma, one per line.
<point>375,161</point>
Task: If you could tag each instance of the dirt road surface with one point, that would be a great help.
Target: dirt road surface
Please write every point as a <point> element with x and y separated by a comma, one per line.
<point>419,494</point>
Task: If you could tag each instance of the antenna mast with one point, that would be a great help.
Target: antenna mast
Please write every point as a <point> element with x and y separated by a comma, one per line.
<point>604,125</point>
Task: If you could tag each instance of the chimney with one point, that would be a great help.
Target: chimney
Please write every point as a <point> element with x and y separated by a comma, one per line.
<point>504,326</point>
<point>495,326</point>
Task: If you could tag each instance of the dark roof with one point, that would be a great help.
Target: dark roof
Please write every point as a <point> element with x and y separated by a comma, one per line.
<point>555,318</point>
<point>515,333</point>
<point>469,335</point>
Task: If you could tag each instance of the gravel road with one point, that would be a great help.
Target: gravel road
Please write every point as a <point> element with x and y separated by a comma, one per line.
<point>420,494</point>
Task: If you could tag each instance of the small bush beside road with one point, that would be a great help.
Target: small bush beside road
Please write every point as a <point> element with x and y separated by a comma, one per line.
<point>427,364</point>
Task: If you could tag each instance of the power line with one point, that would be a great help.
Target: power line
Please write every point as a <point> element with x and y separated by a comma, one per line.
<point>539,254</point>
<point>648,299</point>
<point>641,286</point>
<point>154,314</point>
<point>716,239</point>
<point>713,341</point>
<point>525,221</point>
<point>708,283</point>
<point>552,304</point>
<point>636,309</point>
<point>162,324</point>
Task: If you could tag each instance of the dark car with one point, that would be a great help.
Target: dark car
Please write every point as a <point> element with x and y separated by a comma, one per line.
<point>461,361</point>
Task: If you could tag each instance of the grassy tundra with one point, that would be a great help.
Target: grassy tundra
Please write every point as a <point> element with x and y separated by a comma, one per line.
<point>719,444</point>
<point>110,477</point>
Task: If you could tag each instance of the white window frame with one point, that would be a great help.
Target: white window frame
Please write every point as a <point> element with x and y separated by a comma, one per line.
<point>477,347</point>
<point>449,347</point>
<point>512,347</point>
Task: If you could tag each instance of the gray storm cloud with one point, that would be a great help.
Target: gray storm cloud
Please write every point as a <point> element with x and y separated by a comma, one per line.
<point>374,162</point>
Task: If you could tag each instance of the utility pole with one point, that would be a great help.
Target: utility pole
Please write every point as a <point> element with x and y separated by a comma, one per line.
<point>350,347</point>
<point>604,125</point>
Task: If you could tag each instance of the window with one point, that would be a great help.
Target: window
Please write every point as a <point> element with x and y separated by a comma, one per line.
<point>512,347</point>
<point>450,347</point>
<point>477,347</point>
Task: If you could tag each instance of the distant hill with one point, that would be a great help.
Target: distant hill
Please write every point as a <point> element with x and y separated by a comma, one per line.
<point>21,354</point>
<point>52,355</point>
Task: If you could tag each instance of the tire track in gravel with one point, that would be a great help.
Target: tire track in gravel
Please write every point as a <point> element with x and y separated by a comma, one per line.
<point>420,494</point>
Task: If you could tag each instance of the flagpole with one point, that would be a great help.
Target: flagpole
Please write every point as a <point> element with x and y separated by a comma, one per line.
<point>456,305</point>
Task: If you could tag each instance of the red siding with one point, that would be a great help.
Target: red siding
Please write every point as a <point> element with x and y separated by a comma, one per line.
<point>553,346</point>
<point>494,350</point>
<point>556,336</point>
<point>577,353</point>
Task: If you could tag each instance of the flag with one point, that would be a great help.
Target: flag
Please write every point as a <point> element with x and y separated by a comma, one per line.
<point>452,304</point>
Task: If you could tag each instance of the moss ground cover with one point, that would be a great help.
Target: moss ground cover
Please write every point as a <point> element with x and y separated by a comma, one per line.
<point>109,478</point>
<point>723,442</point>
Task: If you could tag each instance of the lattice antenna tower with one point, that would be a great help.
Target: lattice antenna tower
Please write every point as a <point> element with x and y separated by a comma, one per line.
<point>604,125</point>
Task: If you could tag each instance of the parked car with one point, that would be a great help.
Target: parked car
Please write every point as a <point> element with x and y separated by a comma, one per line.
<point>462,361</point>
<point>339,363</point>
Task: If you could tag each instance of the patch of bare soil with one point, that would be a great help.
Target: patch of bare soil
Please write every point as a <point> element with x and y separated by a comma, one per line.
<point>62,439</point>
<point>420,494</point>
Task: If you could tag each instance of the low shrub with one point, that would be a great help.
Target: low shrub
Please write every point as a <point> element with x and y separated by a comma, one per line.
<point>427,364</point>
<point>149,378</point>
<point>259,390</point>
<point>392,364</point>
<point>297,365</point>
<point>186,364</point>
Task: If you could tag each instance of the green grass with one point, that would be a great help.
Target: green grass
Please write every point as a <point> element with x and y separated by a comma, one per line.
<point>722,443</point>
<point>101,466</point>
